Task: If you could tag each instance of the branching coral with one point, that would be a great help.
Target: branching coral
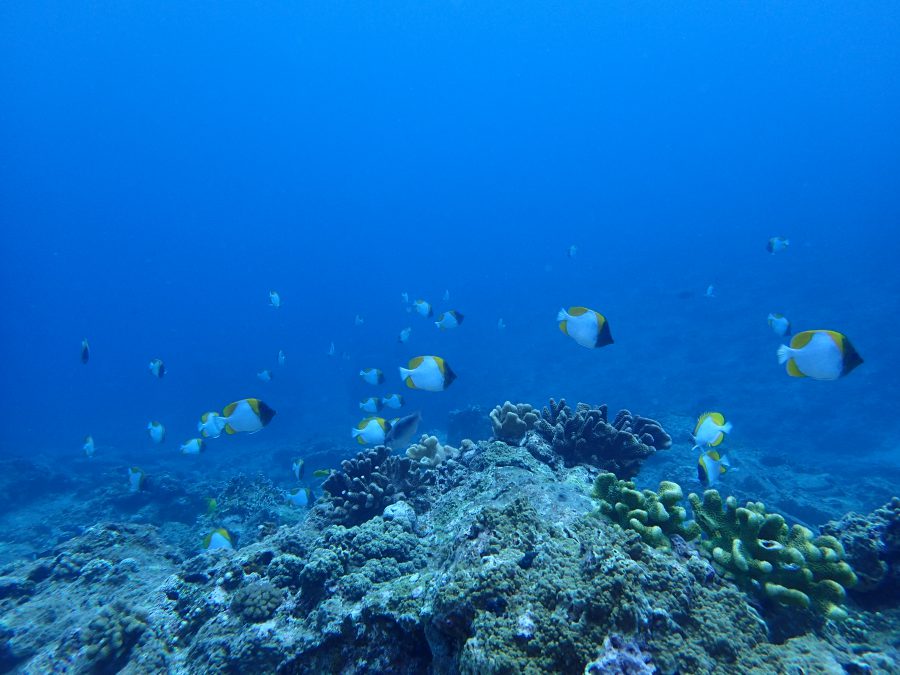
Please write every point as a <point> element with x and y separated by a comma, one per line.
<point>429,452</point>
<point>758,550</point>
<point>585,435</point>
<point>656,516</point>
<point>512,421</point>
<point>369,482</point>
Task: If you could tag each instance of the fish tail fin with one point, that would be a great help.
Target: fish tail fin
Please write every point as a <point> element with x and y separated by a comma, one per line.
<point>784,353</point>
<point>562,315</point>
<point>726,428</point>
<point>404,373</point>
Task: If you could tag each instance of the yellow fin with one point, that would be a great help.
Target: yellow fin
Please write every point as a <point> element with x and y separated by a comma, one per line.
<point>415,363</point>
<point>254,403</point>
<point>229,409</point>
<point>409,383</point>
<point>440,364</point>
<point>718,418</point>
<point>793,370</point>
<point>229,430</point>
<point>700,421</point>
<point>719,439</point>
<point>713,455</point>
<point>800,340</point>
<point>578,311</point>
<point>563,328</point>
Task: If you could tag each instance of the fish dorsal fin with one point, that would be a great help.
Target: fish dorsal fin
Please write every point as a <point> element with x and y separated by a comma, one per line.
<point>712,454</point>
<point>224,533</point>
<point>800,340</point>
<point>700,421</point>
<point>207,540</point>
<point>254,404</point>
<point>578,311</point>
<point>440,364</point>
<point>364,422</point>
<point>415,363</point>
<point>229,409</point>
<point>718,418</point>
<point>793,370</point>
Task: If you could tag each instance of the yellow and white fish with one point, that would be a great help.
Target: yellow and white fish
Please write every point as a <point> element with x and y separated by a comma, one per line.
<point>157,432</point>
<point>281,357</point>
<point>394,401</point>
<point>819,354</point>
<point>85,351</point>
<point>710,466</point>
<point>710,430</point>
<point>777,245</point>
<point>265,375</point>
<point>211,425</point>
<point>450,319</point>
<point>135,479</point>
<point>297,467</point>
<point>423,308</point>
<point>274,299</point>
<point>248,414</point>
<point>372,375</point>
<point>372,404</point>
<point>780,324</point>
<point>429,373</point>
<point>371,430</point>
<point>157,367</point>
<point>587,327</point>
<point>298,497</point>
<point>217,539</point>
<point>404,335</point>
<point>193,447</point>
<point>88,446</point>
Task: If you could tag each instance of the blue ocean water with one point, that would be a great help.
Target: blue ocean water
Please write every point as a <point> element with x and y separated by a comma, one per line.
<point>165,166</point>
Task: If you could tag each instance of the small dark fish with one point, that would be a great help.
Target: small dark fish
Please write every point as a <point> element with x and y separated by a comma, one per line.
<point>402,430</point>
<point>85,351</point>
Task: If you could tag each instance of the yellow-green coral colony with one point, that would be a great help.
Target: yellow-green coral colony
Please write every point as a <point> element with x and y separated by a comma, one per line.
<point>755,549</point>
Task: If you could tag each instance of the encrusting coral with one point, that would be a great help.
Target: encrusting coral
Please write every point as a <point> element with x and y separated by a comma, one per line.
<point>656,516</point>
<point>586,435</point>
<point>256,602</point>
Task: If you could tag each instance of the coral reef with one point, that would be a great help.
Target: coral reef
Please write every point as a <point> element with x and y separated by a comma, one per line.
<point>760,552</point>
<point>508,571</point>
<point>512,421</point>
<point>872,546</point>
<point>620,658</point>
<point>429,452</point>
<point>371,481</point>
<point>256,602</point>
<point>656,516</point>
<point>585,435</point>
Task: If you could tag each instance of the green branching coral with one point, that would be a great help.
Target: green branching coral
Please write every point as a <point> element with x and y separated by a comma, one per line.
<point>656,516</point>
<point>759,551</point>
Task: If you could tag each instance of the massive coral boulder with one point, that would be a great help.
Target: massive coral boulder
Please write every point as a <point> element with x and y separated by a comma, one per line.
<point>585,435</point>
<point>511,421</point>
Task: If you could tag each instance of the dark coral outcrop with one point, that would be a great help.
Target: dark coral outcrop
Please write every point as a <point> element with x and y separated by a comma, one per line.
<point>585,435</point>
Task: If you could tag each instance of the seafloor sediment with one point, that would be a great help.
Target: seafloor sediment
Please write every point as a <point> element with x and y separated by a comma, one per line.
<point>490,558</point>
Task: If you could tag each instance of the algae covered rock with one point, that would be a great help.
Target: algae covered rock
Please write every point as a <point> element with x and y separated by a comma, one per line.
<point>789,565</point>
<point>111,635</point>
<point>656,516</point>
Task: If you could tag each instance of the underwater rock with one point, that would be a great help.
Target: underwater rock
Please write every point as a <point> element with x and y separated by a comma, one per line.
<point>872,547</point>
<point>512,421</point>
<point>257,602</point>
<point>371,481</point>
<point>585,435</point>
<point>620,658</point>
